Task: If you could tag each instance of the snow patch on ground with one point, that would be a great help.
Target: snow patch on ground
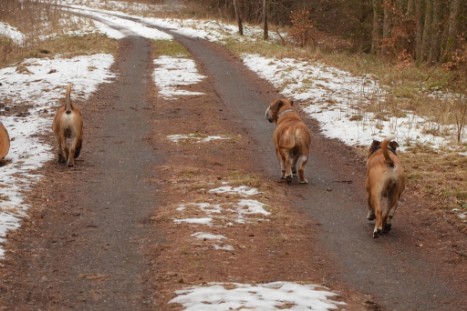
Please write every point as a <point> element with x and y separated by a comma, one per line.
<point>41,82</point>
<point>240,190</point>
<point>117,27</point>
<point>223,214</point>
<point>336,99</point>
<point>171,73</point>
<point>197,221</point>
<point>196,138</point>
<point>240,212</point>
<point>208,236</point>
<point>267,296</point>
<point>13,33</point>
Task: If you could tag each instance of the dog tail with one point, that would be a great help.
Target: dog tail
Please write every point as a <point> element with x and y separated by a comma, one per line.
<point>384,147</point>
<point>68,103</point>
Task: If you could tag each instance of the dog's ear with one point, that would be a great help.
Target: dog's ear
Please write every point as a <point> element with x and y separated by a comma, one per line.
<point>374,146</point>
<point>394,145</point>
<point>277,105</point>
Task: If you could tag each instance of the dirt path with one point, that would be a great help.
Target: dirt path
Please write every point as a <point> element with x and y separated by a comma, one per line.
<point>112,243</point>
<point>391,269</point>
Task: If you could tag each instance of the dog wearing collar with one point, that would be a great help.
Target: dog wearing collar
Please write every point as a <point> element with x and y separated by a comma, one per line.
<point>385,182</point>
<point>291,139</point>
<point>68,124</point>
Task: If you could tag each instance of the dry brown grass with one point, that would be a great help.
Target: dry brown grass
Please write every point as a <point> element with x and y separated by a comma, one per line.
<point>170,48</point>
<point>440,178</point>
<point>45,29</point>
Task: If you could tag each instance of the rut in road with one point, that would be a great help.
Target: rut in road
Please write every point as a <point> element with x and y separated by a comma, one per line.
<point>90,249</point>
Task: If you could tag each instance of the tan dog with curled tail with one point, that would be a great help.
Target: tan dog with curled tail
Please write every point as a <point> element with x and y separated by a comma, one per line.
<point>68,124</point>
<point>291,139</point>
<point>385,182</point>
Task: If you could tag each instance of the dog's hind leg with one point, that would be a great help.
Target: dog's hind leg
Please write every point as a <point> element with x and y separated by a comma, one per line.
<point>72,155</point>
<point>281,162</point>
<point>389,213</point>
<point>287,160</point>
<point>376,204</point>
<point>294,164</point>
<point>371,211</point>
<point>63,152</point>
<point>60,154</point>
<point>302,160</point>
<point>79,145</point>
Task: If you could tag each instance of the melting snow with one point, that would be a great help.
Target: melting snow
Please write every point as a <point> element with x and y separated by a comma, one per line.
<point>173,72</point>
<point>240,190</point>
<point>13,33</point>
<point>208,236</point>
<point>176,138</point>
<point>196,221</point>
<point>260,297</point>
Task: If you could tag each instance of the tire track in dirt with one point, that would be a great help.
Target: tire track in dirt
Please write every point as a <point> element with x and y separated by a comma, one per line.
<point>85,249</point>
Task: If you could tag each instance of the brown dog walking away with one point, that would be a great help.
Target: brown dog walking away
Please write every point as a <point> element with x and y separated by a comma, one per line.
<point>384,183</point>
<point>291,139</point>
<point>68,124</point>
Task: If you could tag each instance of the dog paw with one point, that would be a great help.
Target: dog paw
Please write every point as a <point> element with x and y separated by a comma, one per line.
<point>371,215</point>
<point>377,233</point>
<point>303,182</point>
<point>288,179</point>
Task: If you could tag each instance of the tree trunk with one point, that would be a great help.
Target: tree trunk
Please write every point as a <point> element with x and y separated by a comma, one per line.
<point>388,22</point>
<point>452,26</point>
<point>427,30</point>
<point>435,44</point>
<point>265,20</point>
<point>377,26</point>
<point>238,17</point>
<point>419,20</point>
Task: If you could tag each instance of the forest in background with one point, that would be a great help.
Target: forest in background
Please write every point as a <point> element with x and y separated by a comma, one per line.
<point>431,33</point>
<point>423,31</point>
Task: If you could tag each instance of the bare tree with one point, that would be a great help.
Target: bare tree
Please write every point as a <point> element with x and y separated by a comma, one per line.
<point>427,29</point>
<point>452,26</point>
<point>388,22</point>
<point>377,26</point>
<point>238,17</point>
<point>436,28</point>
<point>419,20</point>
<point>265,20</point>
